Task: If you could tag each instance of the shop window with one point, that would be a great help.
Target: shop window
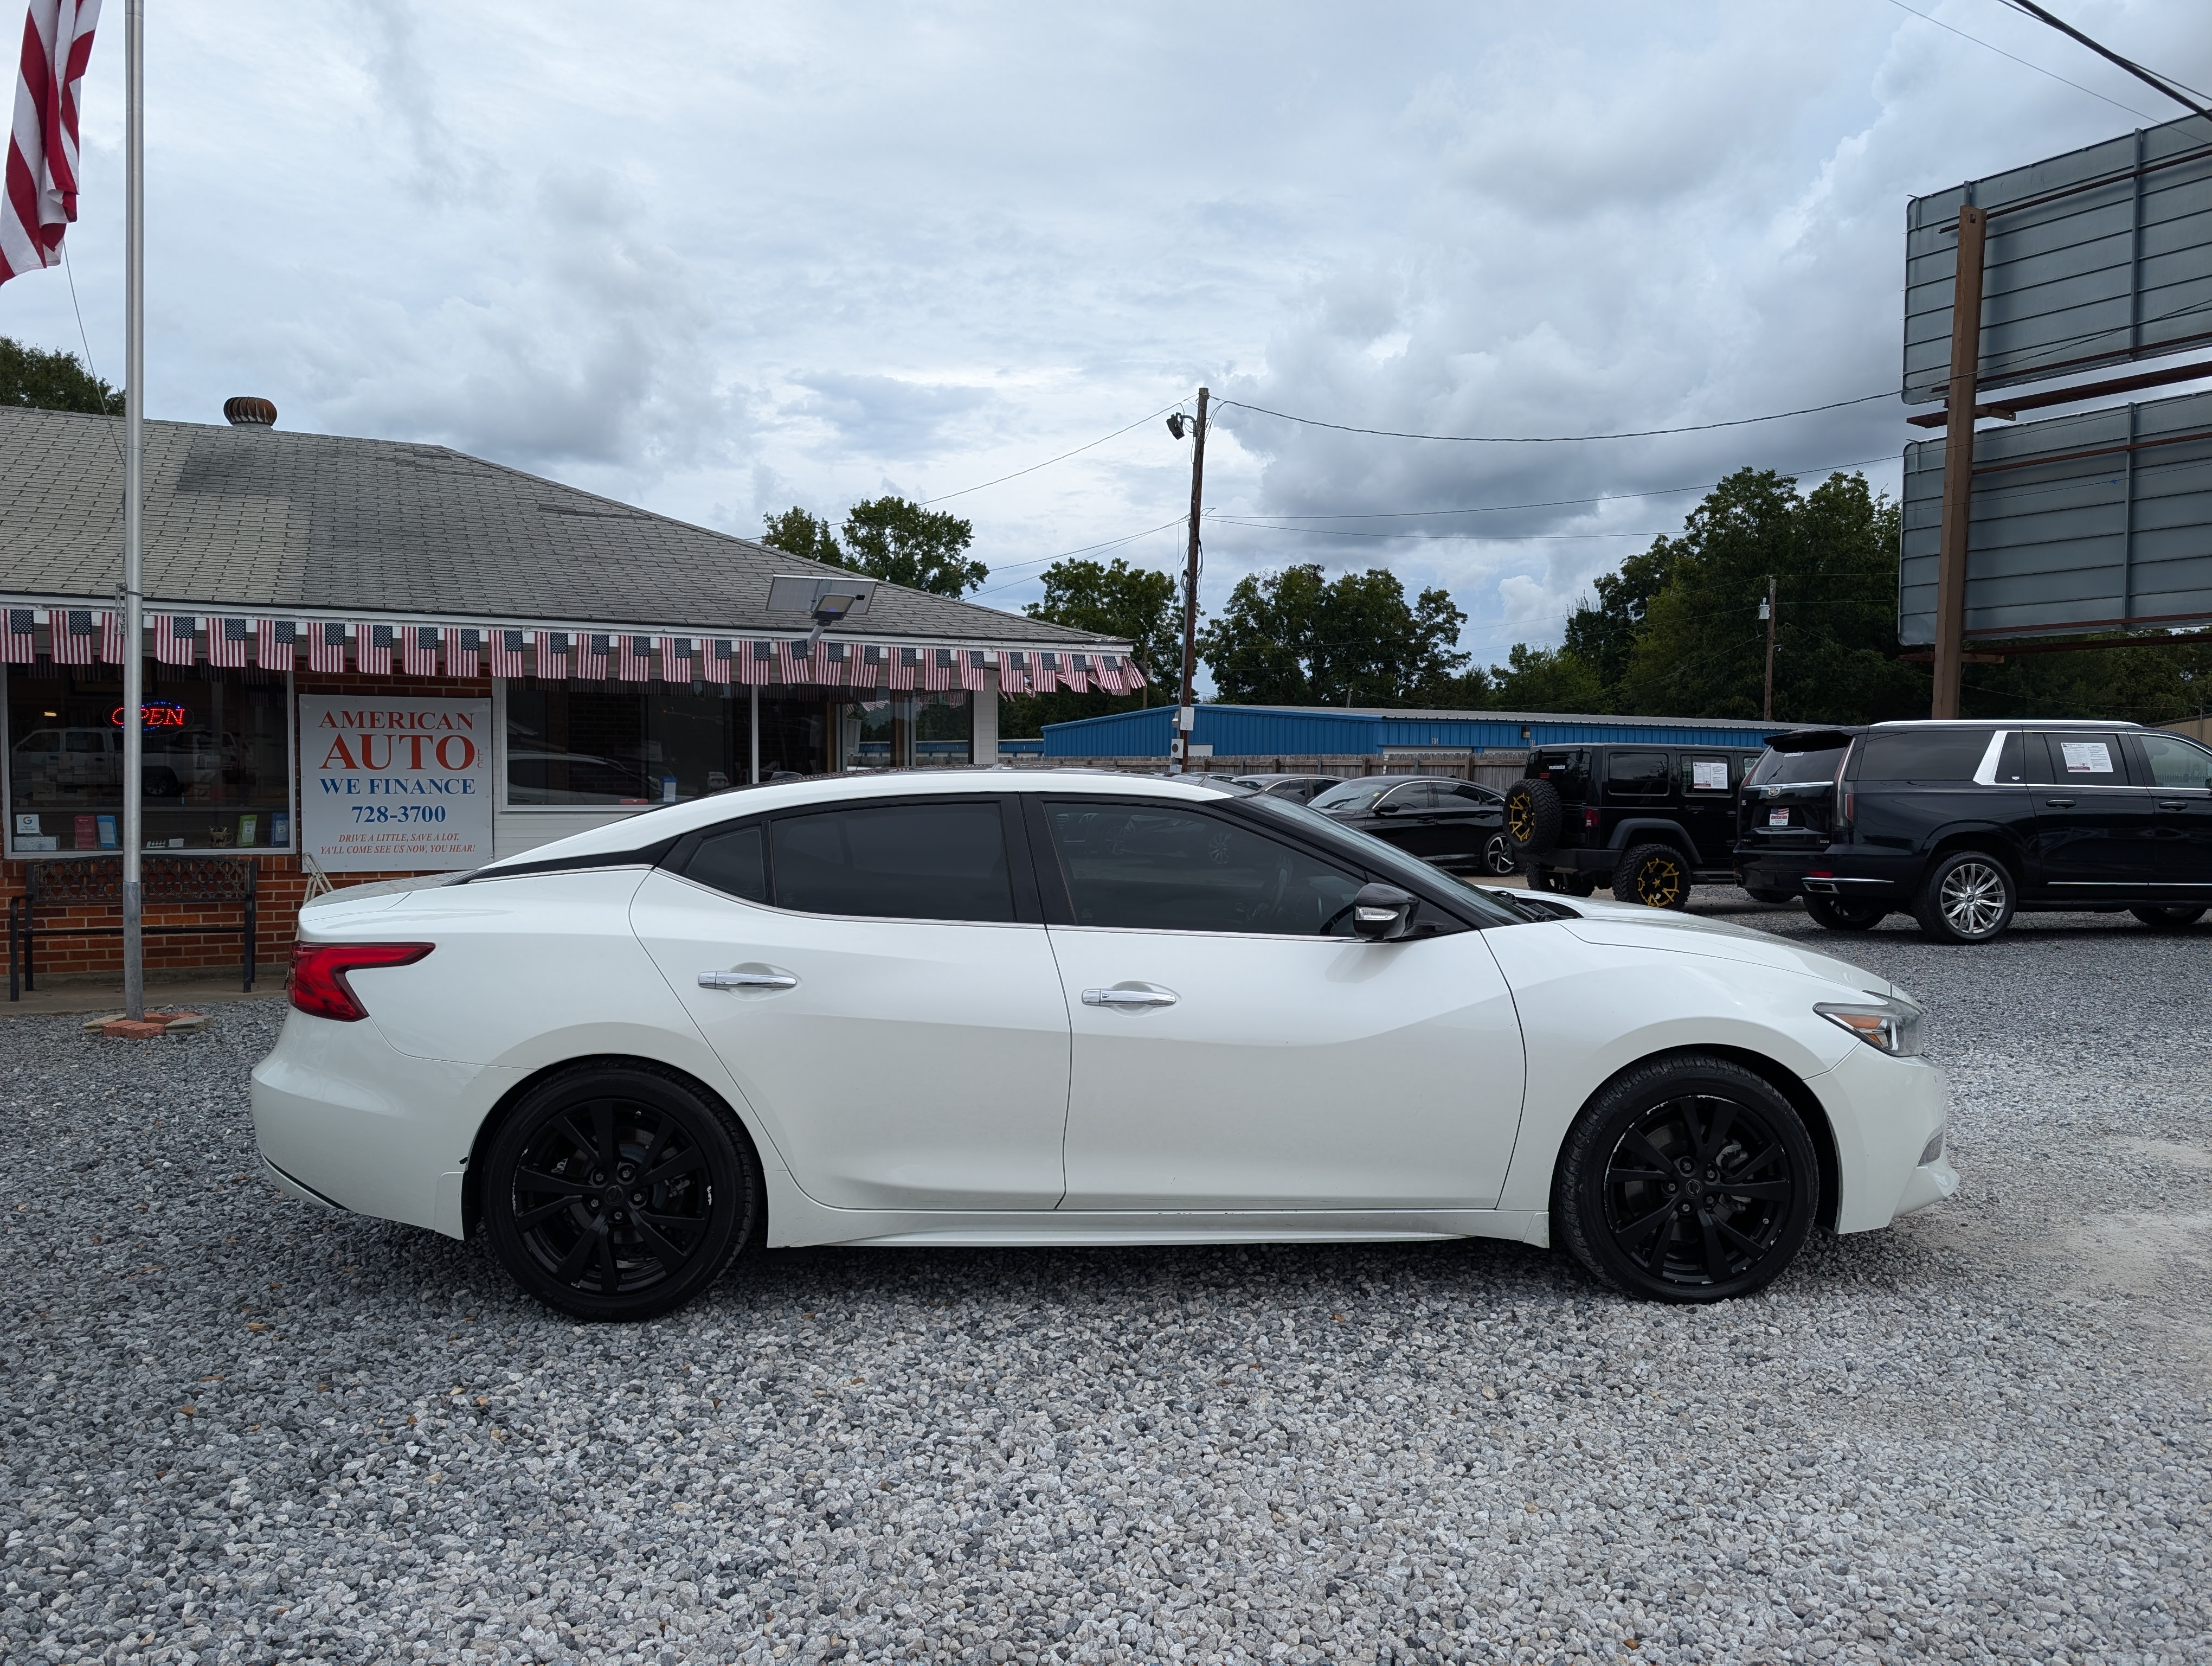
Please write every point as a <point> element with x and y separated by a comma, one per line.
<point>907,730</point>
<point>215,773</point>
<point>615,747</point>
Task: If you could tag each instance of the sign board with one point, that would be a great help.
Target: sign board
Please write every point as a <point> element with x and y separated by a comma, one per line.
<point>395,783</point>
<point>2088,522</point>
<point>2097,257</point>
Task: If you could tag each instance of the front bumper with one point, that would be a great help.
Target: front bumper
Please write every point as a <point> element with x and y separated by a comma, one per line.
<point>1886,1114</point>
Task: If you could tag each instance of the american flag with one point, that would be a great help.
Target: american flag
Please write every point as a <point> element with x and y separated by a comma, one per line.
<point>554,649</point>
<point>463,649</point>
<point>175,638</point>
<point>592,650</point>
<point>372,649</point>
<point>38,198</point>
<point>418,651</point>
<point>833,663</point>
<point>274,642</point>
<point>905,662</point>
<point>869,662</point>
<point>326,641</point>
<point>755,661</point>
<point>227,635</point>
<point>22,635</point>
<point>1115,673</point>
<point>792,664</point>
<point>940,668</point>
<point>111,637</point>
<point>1048,671</point>
<point>974,666</point>
<point>679,659</point>
<point>72,635</point>
<point>506,652</point>
<point>1013,671</point>
<point>721,661</point>
<point>1076,673</point>
<point>634,660</point>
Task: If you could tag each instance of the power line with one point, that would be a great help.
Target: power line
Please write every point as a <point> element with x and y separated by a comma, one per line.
<point>2022,62</point>
<point>1088,548</point>
<point>2165,84</point>
<point>946,497</point>
<point>1432,537</point>
<point>1560,439</point>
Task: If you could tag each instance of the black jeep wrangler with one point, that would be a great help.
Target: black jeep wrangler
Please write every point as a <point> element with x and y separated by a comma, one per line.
<point>1650,821</point>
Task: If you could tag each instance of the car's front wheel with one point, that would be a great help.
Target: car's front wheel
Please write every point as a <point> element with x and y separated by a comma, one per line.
<point>1965,897</point>
<point>1842,914</point>
<point>2178,917</point>
<point>1689,1179</point>
<point>619,1190</point>
<point>1498,854</point>
<point>1654,875</point>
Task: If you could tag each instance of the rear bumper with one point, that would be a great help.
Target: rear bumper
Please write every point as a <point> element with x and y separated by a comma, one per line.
<point>1825,873</point>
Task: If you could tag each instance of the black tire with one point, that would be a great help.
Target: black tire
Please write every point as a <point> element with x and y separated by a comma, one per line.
<point>1498,854</point>
<point>1775,897</point>
<point>1843,913</point>
<point>1966,896</point>
<point>561,1194</point>
<point>1725,1225</point>
<point>2180,917</point>
<point>1579,884</point>
<point>1654,875</point>
<point>1533,816</point>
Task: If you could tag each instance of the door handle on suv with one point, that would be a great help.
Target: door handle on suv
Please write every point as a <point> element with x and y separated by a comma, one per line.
<point>761,979</point>
<point>2058,804</point>
<point>2174,804</point>
<point>1121,997</point>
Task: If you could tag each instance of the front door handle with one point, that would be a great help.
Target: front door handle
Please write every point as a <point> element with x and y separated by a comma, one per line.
<point>747,980</point>
<point>1121,997</point>
<point>2058,804</point>
<point>2174,804</point>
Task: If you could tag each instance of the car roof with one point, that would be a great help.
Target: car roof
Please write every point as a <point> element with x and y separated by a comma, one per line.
<point>1987,724</point>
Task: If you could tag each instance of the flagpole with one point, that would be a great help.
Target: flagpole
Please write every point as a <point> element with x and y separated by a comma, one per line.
<point>134,409</point>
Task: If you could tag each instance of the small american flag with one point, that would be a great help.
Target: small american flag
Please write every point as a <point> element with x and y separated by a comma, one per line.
<point>633,662</point>
<point>1075,674</point>
<point>227,635</point>
<point>974,667</point>
<point>834,663</point>
<point>176,638</point>
<point>1111,672</point>
<point>72,635</point>
<point>39,199</point>
<point>418,652</point>
<point>792,664</point>
<point>905,663</point>
<point>1013,671</point>
<point>463,650</point>
<point>869,664</point>
<point>111,637</point>
<point>940,668</point>
<point>592,648</point>
<point>506,652</point>
<point>22,635</point>
<point>326,641</point>
<point>1048,672</point>
<point>721,661</point>
<point>755,661</point>
<point>555,650</point>
<point>274,643</point>
<point>372,649</point>
<point>679,659</point>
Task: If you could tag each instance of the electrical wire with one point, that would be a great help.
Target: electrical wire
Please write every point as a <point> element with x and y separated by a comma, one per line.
<point>1556,439</point>
<point>946,497</point>
<point>1088,548</point>
<point>2162,83</point>
<point>2022,62</point>
<point>1433,537</point>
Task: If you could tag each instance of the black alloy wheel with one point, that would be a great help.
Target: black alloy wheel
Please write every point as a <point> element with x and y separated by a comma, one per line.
<point>1965,897</point>
<point>2178,916</point>
<point>1498,854</point>
<point>1844,914</point>
<point>1654,875</point>
<point>1689,1179</point>
<point>618,1191</point>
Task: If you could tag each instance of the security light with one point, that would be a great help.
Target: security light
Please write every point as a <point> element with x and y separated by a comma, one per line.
<point>825,601</point>
<point>1175,424</point>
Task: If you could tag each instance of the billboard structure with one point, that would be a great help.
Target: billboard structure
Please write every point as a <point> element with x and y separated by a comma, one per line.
<point>2099,258</point>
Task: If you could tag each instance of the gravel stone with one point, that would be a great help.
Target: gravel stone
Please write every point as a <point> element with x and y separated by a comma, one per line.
<point>236,1428</point>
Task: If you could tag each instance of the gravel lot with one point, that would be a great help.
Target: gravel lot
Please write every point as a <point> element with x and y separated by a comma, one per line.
<point>237,1429</point>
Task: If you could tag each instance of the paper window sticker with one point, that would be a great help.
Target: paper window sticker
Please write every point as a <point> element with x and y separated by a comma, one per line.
<point>1709,776</point>
<point>2086,758</point>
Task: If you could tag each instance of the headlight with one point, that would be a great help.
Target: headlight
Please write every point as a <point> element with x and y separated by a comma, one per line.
<point>1894,1026</point>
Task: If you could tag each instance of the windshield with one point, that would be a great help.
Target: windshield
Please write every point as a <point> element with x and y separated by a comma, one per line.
<point>1356,794</point>
<point>1385,857</point>
<point>1789,769</point>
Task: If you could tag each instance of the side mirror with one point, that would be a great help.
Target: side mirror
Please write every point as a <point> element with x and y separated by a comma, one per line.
<point>1387,809</point>
<point>1380,913</point>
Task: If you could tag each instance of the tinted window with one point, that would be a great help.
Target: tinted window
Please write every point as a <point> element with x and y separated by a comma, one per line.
<point>1351,795</point>
<point>2085,759</point>
<point>1928,755</point>
<point>2176,763</point>
<point>1791,769</point>
<point>736,861</point>
<point>1174,870</point>
<point>1470,795</point>
<point>906,861</point>
<point>1641,773</point>
<point>1416,795</point>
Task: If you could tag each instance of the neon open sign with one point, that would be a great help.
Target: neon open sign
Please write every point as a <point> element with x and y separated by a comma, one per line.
<point>154,715</point>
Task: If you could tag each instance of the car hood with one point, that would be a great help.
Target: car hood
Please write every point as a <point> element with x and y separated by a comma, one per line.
<point>1630,926</point>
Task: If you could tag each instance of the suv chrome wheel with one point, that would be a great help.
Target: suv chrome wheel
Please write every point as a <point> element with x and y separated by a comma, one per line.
<point>1966,898</point>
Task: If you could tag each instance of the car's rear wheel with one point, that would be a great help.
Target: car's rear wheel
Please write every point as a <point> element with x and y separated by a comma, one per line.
<point>1654,875</point>
<point>2180,917</point>
<point>1498,854</point>
<point>619,1191</point>
<point>1842,914</point>
<point>1965,897</point>
<point>1690,1179</point>
<point>1763,894</point>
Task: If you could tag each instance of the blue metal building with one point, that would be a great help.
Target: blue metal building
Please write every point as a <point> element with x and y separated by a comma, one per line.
<point>1332,731</point>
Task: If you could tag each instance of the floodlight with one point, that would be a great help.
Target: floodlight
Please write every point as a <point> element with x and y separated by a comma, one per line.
<point>1175,424</point>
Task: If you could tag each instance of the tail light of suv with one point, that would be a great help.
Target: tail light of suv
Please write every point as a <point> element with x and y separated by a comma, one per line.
<point>318,980</point>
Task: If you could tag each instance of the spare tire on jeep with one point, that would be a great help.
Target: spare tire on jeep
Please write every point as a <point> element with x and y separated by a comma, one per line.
<point>1533,816</point>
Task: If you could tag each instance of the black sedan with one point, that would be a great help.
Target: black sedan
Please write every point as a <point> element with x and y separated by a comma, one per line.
<point>1298,789</point>
<point>1453,823</point>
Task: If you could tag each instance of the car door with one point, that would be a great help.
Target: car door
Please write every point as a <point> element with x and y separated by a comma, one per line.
<point>1406,817</point>
<point>1707,783</point>
<point>2094,829</point>
<point>1236,1048</point>
<point>876,978</point>
<point>2180,774</point>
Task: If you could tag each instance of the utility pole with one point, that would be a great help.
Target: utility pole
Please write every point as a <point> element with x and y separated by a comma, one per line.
<point>1186,709</point>
<point>1959,393</point>
<point>134,410</point>
<point>1766,613</point>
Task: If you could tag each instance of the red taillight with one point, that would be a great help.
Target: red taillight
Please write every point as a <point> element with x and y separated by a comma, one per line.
<point>317,981</point>
<point>1590,818</point>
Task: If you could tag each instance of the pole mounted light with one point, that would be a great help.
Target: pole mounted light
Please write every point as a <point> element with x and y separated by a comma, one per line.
<point>1186,708</point>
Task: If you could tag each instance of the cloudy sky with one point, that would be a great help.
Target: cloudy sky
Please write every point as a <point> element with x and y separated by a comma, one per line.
<point>717,259</point>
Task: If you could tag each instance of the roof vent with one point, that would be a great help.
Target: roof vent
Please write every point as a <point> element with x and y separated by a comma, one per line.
<point>246,411</point>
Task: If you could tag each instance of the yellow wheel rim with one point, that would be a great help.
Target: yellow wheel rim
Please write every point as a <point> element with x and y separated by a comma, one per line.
<point>1520,822</point>
<point>1659,882</point>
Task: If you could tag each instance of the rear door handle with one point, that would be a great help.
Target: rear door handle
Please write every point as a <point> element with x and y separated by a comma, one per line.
<point>2058,804</point>
<point>743,979</point>
<point>1119,997</point>
<point>2174,804</point>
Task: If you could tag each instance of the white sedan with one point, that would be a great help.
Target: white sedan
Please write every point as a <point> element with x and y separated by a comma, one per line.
<point>1036,1008</point>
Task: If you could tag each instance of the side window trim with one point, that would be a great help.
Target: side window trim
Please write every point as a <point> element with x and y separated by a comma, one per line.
<point>1985,772</point>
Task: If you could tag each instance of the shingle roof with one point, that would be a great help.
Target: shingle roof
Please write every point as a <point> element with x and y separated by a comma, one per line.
<point>256,519</point>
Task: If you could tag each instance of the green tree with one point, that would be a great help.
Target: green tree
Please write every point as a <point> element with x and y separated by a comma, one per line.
<point>1133,604</point>
<point>799,533</point>
<point>1602,635</point>
<point>1547,679</point>
<point>2129,685</point>
<point>1293,638</point>
<point>902,542</point>
<point>33,381</point>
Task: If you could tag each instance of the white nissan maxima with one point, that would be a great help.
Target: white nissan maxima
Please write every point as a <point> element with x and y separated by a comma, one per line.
<point>1001,1008</point>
